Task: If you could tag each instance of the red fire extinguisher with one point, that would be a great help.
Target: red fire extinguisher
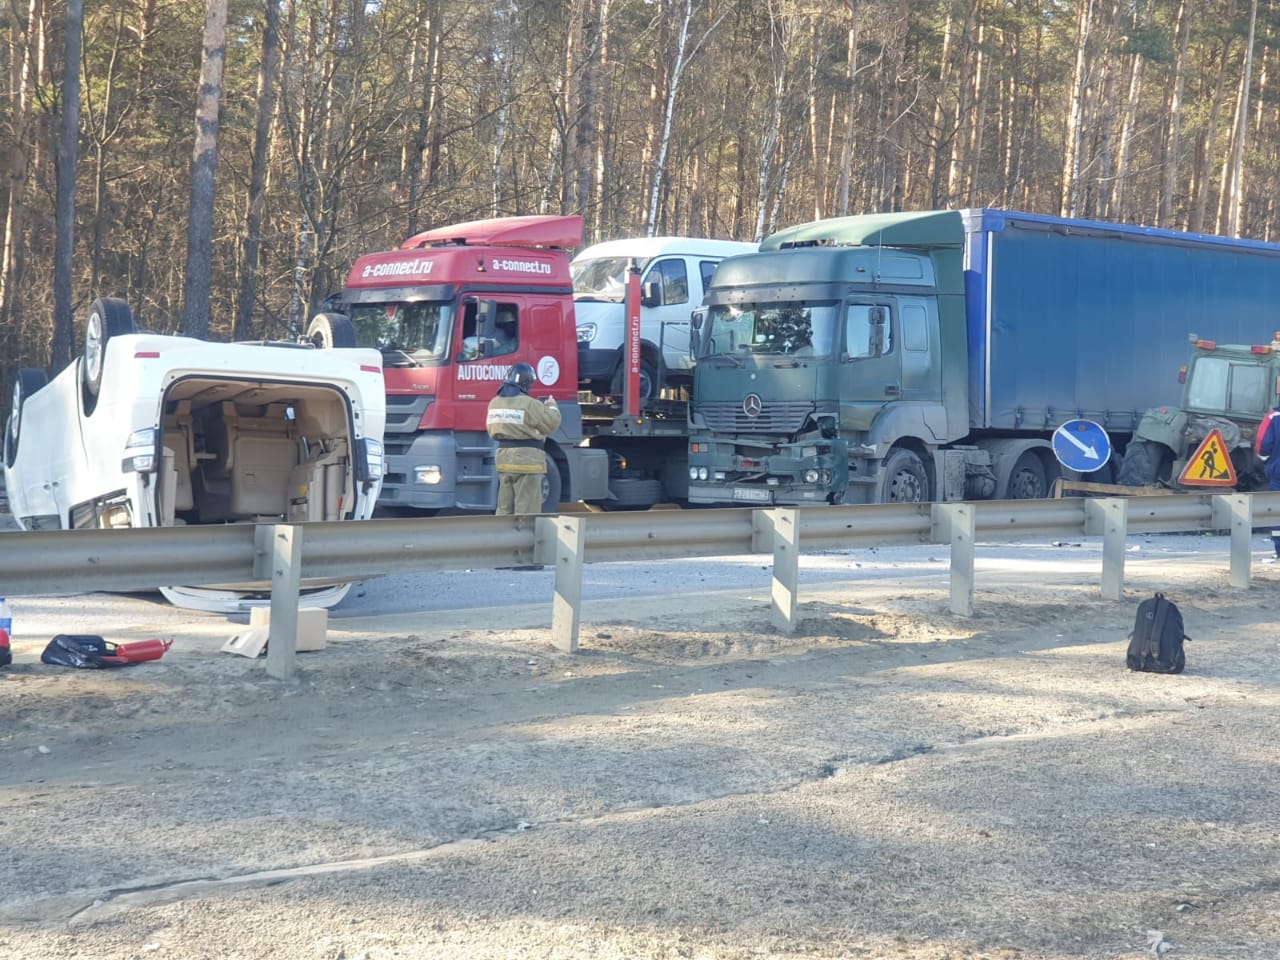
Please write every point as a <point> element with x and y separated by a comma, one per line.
<point>139,651</point>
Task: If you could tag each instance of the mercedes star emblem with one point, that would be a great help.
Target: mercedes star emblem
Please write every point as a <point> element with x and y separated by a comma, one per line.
<point>752,404</point>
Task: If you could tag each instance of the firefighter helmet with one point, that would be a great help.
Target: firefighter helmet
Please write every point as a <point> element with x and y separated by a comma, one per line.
<point>522,375</point>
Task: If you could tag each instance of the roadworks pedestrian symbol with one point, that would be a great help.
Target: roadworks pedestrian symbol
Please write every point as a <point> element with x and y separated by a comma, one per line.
<point>1209,466</point>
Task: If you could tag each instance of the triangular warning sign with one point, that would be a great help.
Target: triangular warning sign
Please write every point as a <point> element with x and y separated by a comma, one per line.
<point>1210,465</point>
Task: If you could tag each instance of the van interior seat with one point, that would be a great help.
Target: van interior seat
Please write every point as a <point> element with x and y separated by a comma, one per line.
<point>261,455</point>
<point>178,440</point>
<point>183,498</point>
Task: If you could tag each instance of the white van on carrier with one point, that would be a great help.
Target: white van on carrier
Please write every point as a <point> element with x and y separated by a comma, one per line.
<point>146,430</point>
<point>675,272</point>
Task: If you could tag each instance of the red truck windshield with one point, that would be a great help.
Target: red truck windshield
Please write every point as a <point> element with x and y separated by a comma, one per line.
<point>406,333</point>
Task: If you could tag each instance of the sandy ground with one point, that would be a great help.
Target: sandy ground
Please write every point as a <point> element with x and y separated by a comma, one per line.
<point>892,781</point>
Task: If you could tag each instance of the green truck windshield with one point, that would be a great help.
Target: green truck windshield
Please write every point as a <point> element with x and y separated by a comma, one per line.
<point>781,329</point>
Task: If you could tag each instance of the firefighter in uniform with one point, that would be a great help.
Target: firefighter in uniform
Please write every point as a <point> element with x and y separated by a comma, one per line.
<point>521,426</point>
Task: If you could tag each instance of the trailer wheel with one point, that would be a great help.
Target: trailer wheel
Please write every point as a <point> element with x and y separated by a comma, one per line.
<point>1145,462</point>
<point>330,330</point>
<point>29,381</point>
<point>109,317</point>
<point>1027,480</point>
<point>551,488</point>
<point>903,479</point>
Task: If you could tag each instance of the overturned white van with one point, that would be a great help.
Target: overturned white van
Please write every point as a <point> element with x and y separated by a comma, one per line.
<point>674,274</point>
<point>146,430</point>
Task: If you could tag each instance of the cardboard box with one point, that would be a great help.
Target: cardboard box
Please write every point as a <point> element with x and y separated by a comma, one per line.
<point>313,625</point>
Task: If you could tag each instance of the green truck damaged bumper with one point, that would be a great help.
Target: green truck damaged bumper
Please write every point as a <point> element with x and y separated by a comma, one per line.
<point>788,473</point>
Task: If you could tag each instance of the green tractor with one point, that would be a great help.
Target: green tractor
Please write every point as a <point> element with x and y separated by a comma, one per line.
<point>1208,440</point>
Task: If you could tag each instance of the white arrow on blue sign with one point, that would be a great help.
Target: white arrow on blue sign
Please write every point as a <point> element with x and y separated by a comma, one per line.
<point>1081,445</point>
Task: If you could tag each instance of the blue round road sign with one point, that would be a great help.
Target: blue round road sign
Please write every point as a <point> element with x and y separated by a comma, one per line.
<point>1081,445</point>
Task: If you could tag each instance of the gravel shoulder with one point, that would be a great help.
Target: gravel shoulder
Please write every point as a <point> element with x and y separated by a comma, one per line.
<point>891,781</point>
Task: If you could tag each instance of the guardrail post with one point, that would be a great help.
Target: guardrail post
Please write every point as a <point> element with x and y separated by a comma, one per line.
<point>278,553</point>
<point>783,528</point>
<point>956,523</point>
<point>567,535</point>
<point>1234,512</point>
<point>1109,518</point>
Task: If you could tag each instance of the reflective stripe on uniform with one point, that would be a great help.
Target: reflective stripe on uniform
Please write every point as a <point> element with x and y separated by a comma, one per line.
<point>506,415</point>
<point>521,468</point>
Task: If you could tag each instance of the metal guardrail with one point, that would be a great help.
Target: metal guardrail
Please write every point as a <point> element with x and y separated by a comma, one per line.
<point>51,562</point>
<point>68,562</point>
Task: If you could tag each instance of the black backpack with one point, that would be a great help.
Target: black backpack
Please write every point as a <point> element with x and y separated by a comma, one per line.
<point>1155,645</point>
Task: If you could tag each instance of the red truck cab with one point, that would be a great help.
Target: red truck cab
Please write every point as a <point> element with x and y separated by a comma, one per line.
<point>451,311</point>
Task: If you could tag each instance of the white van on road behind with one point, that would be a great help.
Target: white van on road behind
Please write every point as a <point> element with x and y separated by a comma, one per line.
<point>674,275</point>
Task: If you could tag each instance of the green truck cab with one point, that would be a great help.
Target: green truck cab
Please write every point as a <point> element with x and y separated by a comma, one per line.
<point>815,359</point>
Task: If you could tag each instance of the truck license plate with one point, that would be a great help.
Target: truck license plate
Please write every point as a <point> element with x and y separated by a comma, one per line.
<point>754,494</point>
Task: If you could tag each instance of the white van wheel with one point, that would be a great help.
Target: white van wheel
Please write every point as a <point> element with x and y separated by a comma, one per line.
<point>108,318</point>
<point>29,381</point>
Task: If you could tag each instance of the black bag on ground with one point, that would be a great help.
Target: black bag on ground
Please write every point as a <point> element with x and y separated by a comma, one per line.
<point>79,650</point>
<point>1155,645</point>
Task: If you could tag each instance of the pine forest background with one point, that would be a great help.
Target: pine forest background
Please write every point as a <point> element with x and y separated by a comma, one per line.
<point>332,128</point>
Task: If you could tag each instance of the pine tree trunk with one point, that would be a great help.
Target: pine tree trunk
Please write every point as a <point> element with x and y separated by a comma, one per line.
<point>974,148</point>
<point>204,161</point>
<point>847,137</point>
<point>1128,124</point>
<point>942,130</point>
<point>603,110</point>
<point>1209,136</point>
<point>817,155</point>
<point>66,161</point>
<point>961,118</point>
<point>1173,137</point>
<point>1070,204</point>
<point>252,245</point>
<point>1235,196</point>
<point>21,84</point>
